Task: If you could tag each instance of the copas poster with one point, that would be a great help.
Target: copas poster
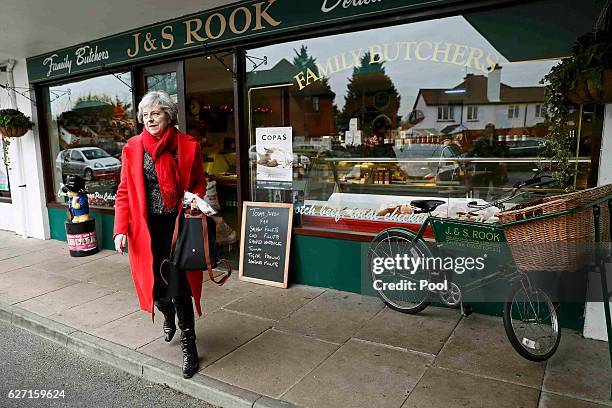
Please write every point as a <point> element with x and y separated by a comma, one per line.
<point>274,149</point>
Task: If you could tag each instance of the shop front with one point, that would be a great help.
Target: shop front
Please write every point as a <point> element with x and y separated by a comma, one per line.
<point>386,102</point>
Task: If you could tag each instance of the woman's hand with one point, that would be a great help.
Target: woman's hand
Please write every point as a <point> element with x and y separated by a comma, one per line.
<point>120,243</point>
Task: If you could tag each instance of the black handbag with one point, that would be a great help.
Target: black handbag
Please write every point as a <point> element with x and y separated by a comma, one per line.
<point>194,245</point>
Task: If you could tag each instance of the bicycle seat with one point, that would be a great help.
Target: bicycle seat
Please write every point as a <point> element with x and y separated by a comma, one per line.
<point>426,206</point>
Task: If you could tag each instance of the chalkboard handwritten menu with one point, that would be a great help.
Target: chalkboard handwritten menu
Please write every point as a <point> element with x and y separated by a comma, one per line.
<point>264,243</point>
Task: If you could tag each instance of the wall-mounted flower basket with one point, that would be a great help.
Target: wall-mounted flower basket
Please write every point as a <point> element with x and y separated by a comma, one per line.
<point>579,94</point>
<point>14,123</point>
<point>586,91</point>
<point>601,93</point>
<point>14,132</point>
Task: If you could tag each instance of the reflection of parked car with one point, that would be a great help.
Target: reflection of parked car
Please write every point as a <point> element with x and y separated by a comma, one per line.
<point>87,162</point>
<point>529,147</point>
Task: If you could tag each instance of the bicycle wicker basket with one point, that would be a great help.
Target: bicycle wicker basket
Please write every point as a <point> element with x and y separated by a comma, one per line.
<point>556,244</point>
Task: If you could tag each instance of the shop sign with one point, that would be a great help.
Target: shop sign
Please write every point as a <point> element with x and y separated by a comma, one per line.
<point>223,25</point>
<point>265,243</point>
<point>274,149</point>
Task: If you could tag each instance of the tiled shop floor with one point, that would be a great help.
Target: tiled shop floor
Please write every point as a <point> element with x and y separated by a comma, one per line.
<point>311,346</point>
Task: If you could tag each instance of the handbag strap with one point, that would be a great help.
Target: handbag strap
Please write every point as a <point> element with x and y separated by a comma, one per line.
<point>207,255</point>
<point>172,247</point>
<point>175,233</point>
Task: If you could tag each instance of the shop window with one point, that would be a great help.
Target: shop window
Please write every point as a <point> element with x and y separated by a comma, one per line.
<point>513,111</point>
<point>88,124</point>
<point>391,125</point>
<point>472,113</point>
<point>446,113</point>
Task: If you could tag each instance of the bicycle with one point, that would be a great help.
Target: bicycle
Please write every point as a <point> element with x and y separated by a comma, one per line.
<point>530,316</point>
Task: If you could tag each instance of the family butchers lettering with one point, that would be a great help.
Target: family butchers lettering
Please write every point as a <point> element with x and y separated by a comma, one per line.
<point>255,18</point>
<point>449,53</point>
<point>83,55</point>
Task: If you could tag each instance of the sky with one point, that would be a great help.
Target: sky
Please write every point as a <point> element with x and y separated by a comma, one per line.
<point>409,76</point>
<point>104,85</point>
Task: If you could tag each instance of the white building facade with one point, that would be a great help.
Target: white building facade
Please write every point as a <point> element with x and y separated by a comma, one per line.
<point>478,101</point>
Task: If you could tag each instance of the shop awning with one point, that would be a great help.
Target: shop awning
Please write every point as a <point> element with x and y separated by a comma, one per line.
<point>536,30</point>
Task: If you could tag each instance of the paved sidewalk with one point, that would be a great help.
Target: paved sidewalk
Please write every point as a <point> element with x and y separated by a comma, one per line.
<point>262,346</point>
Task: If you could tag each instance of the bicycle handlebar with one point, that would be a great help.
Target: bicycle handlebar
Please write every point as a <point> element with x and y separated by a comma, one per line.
<point>516,192</point>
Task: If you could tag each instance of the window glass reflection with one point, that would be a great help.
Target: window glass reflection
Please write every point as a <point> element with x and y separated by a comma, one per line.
<point>428,109</point>
<point>89,122</point>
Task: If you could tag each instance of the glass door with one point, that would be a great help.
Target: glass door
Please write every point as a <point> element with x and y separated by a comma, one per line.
<point>169,78</point>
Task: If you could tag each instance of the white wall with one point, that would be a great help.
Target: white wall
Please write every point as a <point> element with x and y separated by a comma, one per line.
<point>594,320</point>
<point>496,114</point>
<point>25,152</point>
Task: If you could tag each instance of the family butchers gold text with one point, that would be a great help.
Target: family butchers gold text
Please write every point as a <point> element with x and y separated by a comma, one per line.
<point>82,55</point>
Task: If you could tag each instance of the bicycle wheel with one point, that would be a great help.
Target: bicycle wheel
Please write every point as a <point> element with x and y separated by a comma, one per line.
<point>531,323</point>
<point>388,244</point>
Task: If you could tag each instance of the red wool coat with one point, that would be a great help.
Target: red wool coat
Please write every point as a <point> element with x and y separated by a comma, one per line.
<point>131,213</point>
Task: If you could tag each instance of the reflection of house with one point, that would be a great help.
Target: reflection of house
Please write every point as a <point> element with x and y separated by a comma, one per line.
<point>480,100</point>
<point>71,136</point>
<point>309,111</point>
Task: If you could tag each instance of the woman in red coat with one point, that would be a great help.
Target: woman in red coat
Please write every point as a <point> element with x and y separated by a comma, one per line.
<point>158,166</point>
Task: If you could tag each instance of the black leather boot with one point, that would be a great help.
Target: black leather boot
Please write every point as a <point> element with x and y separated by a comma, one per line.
<point>191,362</point>
<point>166,306</point>
<point>186,320</point>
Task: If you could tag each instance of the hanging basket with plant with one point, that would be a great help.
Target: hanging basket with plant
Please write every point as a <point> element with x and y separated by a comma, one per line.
<point>14,123</point>
<point>589,70</point>
<point>585,77</point>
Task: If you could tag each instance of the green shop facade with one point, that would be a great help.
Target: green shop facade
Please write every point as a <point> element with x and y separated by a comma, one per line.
<point>386,99</point>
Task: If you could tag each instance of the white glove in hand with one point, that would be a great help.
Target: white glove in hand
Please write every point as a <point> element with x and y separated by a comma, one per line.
<point>120,243</point>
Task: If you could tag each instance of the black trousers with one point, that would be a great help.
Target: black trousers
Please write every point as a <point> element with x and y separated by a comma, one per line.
<point>161,227</point>
<point>183,307</point>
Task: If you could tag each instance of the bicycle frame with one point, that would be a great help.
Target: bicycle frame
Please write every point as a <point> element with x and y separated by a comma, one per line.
<point>474,235</point>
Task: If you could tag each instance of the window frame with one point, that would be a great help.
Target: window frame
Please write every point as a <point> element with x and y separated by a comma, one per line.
<point>79,156</point>
<point>472,113</point>
<point>514,111</point>
<point>41,91</point>
<point>450,113</point>
<point>316,107</point>
<point>539,110</point>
